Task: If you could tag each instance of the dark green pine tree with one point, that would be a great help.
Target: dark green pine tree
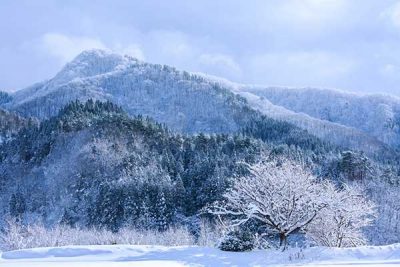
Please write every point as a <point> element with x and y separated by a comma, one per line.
<point>180,194</point>
<point>131,207</point>
<point>145,220</point>
<point>17,205</point>
<point>162,216</point>
<point>110,207</point>
<point>354,166</point>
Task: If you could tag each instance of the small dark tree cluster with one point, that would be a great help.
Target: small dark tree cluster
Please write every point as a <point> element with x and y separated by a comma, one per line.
<point>238,241</point>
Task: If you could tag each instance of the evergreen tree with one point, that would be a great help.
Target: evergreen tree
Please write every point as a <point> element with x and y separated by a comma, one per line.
<point>109,207</point>
<point>17,205</point>
<point>162,216</point>
<point>145,220</point>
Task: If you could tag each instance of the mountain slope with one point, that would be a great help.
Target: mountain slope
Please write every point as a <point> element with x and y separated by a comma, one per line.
<point>92,165</point>
<point>339,134</point>
<point>188,103</point>
<point>375,115</point>
<point>184,102</point>
<point>336,133</point>
<point>4,97</point>
<point>11,124</point>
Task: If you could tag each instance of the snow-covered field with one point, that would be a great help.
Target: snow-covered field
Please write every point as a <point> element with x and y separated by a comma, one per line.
<point>129,255</point>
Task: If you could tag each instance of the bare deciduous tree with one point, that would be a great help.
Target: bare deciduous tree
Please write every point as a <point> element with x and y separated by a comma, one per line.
<point>284,197</point>
<point>341,224</point>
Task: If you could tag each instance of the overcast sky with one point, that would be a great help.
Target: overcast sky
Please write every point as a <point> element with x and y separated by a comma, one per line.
<point>347,44</point>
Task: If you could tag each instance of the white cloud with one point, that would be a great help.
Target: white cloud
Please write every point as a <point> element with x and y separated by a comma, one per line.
<point>254,41</point>
<point>317,68</point>
<point>311,11</point>
<point>393,13</point>
<point>66,47</point>
<point>220,60</point>
<point>389,70</point>
<point>308,17</point>
<point>133,50</point>
<point>170,44</point>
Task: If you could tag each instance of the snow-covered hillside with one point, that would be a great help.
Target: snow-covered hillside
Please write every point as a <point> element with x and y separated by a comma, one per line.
<point>376,115</point>
<point>10,124</point>
<point>330,131</point>
<point>184,102</point>
<point>120,255</point>
<point>194,102</point>
<point>355,131</point>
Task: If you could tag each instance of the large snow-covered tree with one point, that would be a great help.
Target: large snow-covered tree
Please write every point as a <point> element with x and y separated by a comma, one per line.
<point>286,198</point>
<point>281,195</point>
<point>342,222</point>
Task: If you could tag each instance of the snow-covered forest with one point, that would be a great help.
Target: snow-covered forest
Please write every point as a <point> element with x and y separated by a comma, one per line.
<point>113,150</point>
<point>377,115</point>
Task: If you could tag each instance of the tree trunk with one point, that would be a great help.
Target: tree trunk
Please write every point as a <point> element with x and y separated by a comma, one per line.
<point>283,241</point>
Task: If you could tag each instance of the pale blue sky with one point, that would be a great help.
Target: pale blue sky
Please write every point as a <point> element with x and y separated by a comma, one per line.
<point>347,44</point>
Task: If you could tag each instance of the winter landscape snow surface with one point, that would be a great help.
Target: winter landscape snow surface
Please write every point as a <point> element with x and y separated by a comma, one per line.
<point>126,255</point>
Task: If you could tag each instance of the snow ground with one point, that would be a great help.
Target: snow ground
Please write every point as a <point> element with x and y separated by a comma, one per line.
<point>130,255</point>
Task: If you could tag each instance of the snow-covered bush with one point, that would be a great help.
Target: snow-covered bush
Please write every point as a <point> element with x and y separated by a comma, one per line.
<point>18,236</point>
<point>210,233</point>
<point>174,236</point>
<point>238,240</point>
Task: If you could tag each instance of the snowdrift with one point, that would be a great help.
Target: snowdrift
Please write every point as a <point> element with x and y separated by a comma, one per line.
<point>128,255</point>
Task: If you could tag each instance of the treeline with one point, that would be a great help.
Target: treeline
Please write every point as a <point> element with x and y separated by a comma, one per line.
<point>131,171</point>
<point>93,165</point>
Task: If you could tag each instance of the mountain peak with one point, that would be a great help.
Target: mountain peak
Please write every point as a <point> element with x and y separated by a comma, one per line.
<point>96,55</point>
<point>90,63</point>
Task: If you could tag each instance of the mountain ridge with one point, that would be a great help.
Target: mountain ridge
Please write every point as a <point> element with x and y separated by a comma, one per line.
<point>376,115</point>
<point>184,101</point>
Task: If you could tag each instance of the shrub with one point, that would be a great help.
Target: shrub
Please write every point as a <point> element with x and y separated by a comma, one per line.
<point>19,236</point>
<point>237,241</point>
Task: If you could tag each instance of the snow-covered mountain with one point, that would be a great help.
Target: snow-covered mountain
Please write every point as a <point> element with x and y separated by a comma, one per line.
<point>184,102</point>
<point>198,103</point>
<point>336,133</point>
<point>375,115</point>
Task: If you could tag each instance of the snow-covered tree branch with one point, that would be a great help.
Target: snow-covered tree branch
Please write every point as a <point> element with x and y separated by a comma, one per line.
<point>341,224</point>
<point>287,198</point>
<point>284,197</point>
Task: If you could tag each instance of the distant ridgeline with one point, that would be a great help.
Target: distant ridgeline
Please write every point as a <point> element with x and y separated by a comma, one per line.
<point>190,103</point>
<point>93,165</point>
